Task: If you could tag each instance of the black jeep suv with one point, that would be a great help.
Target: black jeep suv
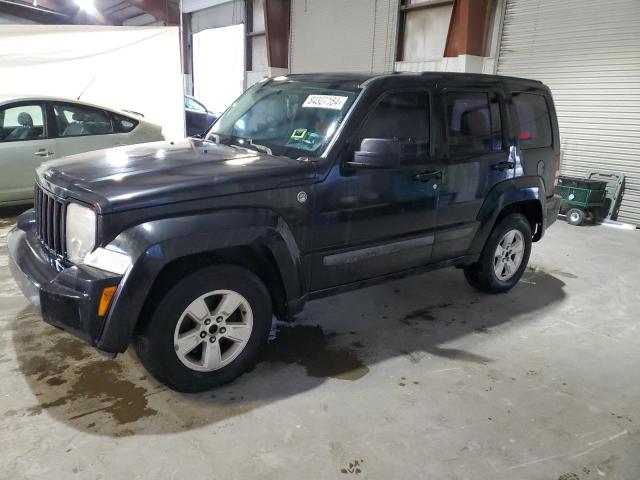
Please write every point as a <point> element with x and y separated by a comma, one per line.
<point>307,186</point>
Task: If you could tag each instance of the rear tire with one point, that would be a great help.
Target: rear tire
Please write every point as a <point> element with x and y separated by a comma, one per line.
<point>504,257</point>
<point>576,216</point>
<point>207,329</point>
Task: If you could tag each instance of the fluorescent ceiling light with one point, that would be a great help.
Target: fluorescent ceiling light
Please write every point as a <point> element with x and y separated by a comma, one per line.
<point>87,6</point>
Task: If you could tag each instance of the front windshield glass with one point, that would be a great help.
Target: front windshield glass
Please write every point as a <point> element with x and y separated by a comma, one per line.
<point>294,119</point>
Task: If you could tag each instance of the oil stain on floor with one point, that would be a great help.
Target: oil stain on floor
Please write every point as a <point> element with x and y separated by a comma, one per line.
<point>102,381</point>
<point>423,314</point>
<point>69,377</point>
<point>308,346</point>
<point>112,397</point>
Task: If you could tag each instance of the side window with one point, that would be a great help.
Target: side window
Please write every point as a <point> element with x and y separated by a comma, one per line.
<point>402,116</point>
<point>78,120</point>
<point>474,124</point>
<point>191,104</point>
<point>24,122</point>
<point>124,124</point>
<point>533,117</point>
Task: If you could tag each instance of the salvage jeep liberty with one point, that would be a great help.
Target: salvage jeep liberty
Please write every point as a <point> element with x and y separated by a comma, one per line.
<point>307,186</point>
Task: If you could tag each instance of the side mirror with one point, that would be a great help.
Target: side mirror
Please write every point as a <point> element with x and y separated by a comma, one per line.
<point>377,153</point>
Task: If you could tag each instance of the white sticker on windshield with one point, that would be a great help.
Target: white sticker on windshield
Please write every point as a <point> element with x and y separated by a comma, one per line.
<point>334,102</point>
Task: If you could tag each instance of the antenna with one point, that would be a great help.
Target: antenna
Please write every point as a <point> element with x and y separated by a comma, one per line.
<point>85,88</point>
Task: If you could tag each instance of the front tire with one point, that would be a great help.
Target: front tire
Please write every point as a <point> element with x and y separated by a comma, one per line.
<point>207,329</point>
<point>504,257</point>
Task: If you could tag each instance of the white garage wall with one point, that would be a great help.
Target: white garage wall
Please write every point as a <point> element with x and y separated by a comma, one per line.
<point>131,68</point>
<point>343,35</point>
<point>218,66</point>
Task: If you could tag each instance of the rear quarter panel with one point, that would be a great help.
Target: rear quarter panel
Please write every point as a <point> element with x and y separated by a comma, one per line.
<point>535,161</point>
<point>144,132</point>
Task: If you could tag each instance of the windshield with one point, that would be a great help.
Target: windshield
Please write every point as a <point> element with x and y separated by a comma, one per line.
<point>294,119</point>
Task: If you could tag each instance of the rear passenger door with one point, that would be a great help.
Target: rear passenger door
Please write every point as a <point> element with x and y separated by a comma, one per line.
<point>476,158</point>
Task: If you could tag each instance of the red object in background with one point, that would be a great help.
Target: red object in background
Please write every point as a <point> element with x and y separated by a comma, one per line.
<point>524,136</point>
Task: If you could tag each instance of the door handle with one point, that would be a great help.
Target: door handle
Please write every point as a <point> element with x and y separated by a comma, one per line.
<point>430,175</point>
<point>43,153</point>
<point>500,166</point>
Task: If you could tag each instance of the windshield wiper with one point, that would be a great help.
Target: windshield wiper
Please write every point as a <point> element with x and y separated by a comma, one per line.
<point>239,142</point>
<point>218,141</point>
<point>260,148</point>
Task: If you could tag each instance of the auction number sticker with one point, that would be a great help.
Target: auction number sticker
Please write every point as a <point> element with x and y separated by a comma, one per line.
<point>333,102</point>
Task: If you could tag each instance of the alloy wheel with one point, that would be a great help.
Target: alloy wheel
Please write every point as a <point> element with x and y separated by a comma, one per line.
<point>508,255</point>
<point>213,330</point>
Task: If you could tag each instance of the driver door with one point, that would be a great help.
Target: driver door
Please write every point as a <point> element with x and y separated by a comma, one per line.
<point>372,222</point>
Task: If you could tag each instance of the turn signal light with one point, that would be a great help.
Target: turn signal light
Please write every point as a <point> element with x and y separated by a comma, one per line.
<point>105,300</point>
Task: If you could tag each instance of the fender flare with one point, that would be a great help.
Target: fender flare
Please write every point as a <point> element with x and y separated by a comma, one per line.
<point>154,244</point>
<point>503,194</point>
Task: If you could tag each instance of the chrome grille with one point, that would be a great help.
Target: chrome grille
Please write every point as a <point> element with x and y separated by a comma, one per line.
<point>50,221</point>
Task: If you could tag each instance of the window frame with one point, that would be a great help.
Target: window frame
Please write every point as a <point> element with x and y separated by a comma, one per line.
<point>429,90</point>
<point>58,134</point>
<point>405,9</point>
<point>461,156</point>
<point>46,127</point>
<point>517,117</point>
<point>187,98</point>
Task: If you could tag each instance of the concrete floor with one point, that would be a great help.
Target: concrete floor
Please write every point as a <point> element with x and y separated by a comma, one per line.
<point>420,378</point>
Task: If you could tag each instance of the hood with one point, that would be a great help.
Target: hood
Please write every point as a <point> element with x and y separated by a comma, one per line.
<point>165,172</point>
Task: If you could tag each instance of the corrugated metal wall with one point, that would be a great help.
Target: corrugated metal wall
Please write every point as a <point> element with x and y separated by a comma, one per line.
<point>343,35</point>
<point>588,53</point>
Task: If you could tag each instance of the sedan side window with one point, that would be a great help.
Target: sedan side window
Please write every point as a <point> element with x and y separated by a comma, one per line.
<point>124,124</point>
<point>192,104</point>
<point>24,122</point>
<point>78,120</point>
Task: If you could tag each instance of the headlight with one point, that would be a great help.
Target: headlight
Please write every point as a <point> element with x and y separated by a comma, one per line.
<point>81,232</point>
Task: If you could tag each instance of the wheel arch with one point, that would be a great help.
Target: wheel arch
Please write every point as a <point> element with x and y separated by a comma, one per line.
<point>524,195</point>
<point>256,239</point>
<point>531,209</point>
<point>258,259</point>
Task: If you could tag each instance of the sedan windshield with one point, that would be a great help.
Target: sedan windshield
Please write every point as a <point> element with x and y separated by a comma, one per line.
<point>289,118</point>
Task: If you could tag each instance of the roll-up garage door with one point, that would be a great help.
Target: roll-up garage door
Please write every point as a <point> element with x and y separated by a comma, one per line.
<point>588,53</point>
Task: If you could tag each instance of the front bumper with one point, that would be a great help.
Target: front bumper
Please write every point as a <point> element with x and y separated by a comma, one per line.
<point>67,297</point>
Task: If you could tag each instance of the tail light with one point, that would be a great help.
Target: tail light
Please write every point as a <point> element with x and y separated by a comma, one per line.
<point>556,174</point>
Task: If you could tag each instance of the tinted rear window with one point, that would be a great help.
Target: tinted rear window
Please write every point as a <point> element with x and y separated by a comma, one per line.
<point>533,116</point>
